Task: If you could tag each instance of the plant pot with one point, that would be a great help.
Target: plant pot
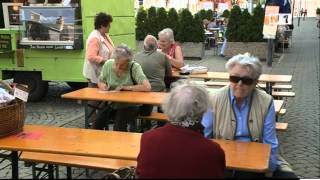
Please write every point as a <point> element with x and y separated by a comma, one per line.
<point>193,50</point>
<point>257,49</point>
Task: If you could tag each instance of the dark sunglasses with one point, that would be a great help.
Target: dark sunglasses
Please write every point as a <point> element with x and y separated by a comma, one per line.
<point>244,80</point>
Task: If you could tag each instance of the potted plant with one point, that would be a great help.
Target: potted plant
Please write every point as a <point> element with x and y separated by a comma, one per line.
<point>191,34</point>
<point>141,27</point>
<point>244,33</point>
<point>152,24</point>
<point>188,30</point>
<point>173,20</point>
<point>226,14</point>
<point>162,17</point>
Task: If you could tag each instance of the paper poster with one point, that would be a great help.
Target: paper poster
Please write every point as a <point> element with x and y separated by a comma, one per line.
<point>285,19</point>
<point>271,20</point>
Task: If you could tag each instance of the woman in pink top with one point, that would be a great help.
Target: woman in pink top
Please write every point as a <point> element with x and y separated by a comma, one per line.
<point>173,51</point>
<point>99,47</point>
<point>168,46</point>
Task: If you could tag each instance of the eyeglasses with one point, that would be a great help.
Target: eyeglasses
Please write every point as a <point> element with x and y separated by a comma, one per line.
<point>244,80</point>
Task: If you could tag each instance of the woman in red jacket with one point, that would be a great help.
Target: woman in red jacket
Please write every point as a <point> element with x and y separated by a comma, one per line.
<point>179,149</point>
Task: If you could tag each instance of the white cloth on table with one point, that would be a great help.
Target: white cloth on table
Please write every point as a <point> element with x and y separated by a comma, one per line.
<point>194,69</point>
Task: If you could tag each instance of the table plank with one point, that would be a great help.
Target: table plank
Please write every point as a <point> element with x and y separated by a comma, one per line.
<point>273,78</point>
<point>121,145</point>
<point>239,155</point>
<point>154,98</point>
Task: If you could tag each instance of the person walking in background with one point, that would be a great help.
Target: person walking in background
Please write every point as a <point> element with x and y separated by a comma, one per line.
<point>179,149</point>
<point>301,12</point>
<point>305,13</point>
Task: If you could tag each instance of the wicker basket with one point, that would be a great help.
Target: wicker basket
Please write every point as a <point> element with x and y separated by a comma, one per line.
<point>12,118</point>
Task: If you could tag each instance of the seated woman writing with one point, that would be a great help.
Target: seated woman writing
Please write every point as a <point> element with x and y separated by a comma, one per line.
<point>121,73</point>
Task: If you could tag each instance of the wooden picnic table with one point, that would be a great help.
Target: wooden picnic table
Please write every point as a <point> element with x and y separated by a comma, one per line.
<point>153,98</point>
<point>95,94</point>
<point>246,156</point>
<point>269,79</point>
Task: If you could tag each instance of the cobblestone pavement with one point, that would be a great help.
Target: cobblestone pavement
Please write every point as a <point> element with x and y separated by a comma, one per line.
<point>299,144</point>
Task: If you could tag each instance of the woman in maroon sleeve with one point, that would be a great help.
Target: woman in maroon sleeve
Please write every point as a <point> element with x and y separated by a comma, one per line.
<point>179,149</point>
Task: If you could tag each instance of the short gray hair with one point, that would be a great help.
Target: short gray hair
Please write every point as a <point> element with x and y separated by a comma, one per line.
<point>150,43</point>
<point>122,51</point>
<point>248,61</point>
<point>186,104</point>
<point>167,33</point>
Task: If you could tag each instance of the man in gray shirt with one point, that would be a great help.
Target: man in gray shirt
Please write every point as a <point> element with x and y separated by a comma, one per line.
<point>155,64</point>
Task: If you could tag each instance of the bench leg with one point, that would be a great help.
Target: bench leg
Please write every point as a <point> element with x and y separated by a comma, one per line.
<point>69,173</point>
<point>57,171</point>
<point>87,173</point>
<point>14,161</point>
<point>50,171</point>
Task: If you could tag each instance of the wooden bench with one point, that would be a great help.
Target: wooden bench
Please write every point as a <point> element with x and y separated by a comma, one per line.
<point>281,126</point>
<point>75,161</point>
<point>280,94</point>
<point>155,116</point>
<point>225,83</point>
<point>116,145</point>
<point>162,117</point>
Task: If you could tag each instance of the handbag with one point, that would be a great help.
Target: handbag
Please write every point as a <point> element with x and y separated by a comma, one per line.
<point>128,172</point>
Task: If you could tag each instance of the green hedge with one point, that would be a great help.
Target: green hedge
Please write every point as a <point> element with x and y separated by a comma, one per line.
<point>318,11</point>
<point>244,27</point>
<point>186,28</point>
<point>141,28</point>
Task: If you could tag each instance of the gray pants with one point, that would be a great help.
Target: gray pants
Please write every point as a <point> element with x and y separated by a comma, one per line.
<point>126,116</point>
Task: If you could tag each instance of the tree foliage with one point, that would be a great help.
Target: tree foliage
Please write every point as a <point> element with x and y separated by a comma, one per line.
<point>173,20</point>
<point>152,24</point>
<point>243,27</point>
<point>162,19</point>
<point>233,24</point>
<point>185,26</point>
<point>226,13</point>
<point>141,24</point>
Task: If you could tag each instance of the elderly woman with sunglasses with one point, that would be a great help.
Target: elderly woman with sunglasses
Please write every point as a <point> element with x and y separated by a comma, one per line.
<point>179,149</point>
<point>241,112</point>
<point>122,74</point>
